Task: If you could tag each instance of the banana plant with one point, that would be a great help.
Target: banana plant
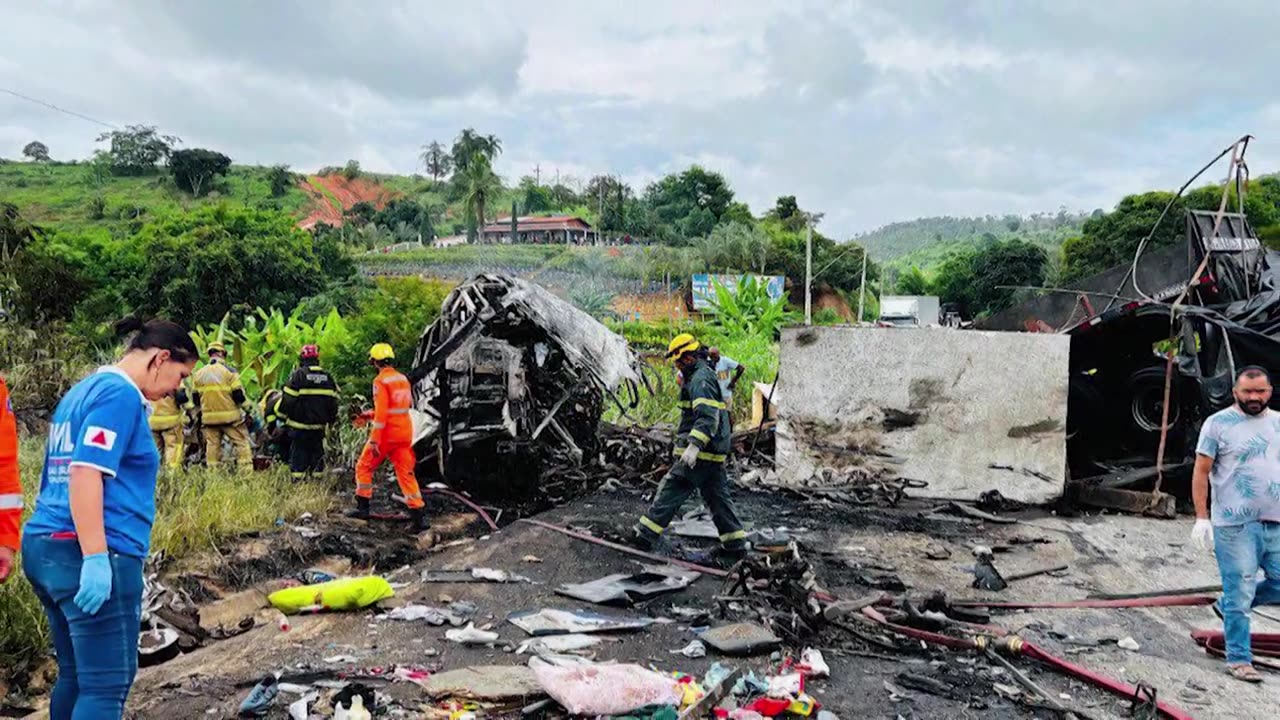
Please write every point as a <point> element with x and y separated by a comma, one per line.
<point>266,347</point>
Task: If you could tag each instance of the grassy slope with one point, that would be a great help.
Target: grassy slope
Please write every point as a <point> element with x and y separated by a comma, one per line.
<point>62,196</point>
<point>197,510</point>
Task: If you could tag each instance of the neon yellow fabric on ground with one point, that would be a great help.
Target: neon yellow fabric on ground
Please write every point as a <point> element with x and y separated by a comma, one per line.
<point>346,594</point>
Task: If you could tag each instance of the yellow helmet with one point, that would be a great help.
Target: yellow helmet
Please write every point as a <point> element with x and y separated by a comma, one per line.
<point>216,347</point>
<point>680,345</point>
<point>381,351</point>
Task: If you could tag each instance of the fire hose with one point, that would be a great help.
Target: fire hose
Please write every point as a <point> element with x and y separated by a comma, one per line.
<point>1264,644</point>
<point>1167,601</point>
<point>1014,645</point>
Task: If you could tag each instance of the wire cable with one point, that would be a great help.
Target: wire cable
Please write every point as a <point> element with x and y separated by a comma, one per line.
<point>51,106</point>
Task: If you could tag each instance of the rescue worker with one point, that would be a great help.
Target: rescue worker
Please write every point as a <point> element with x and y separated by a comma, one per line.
<point>168,417</point>
<point>223,405</point>
<point>309,405</point>
<point>390,437</point>
<point>702,446</point>
<point>10,485</point>
<point>275,435</point>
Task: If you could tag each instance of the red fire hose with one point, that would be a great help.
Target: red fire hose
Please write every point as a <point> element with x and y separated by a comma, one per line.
<point>1017,646</point>
<point>1265,644</point>
<point>1166,601</point>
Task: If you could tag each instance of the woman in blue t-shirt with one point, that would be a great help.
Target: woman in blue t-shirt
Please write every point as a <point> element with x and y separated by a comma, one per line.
<point>84,546</point>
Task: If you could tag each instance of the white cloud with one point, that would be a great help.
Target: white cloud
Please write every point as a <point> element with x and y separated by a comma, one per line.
<point>869,110</point>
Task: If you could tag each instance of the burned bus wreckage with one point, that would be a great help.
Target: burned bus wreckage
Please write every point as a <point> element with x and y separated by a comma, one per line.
<point>511,381</point>
<point>1228,318</point>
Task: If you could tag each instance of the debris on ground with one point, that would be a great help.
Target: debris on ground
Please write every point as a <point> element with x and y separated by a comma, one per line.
<point>550,621</point>
<point>624,589</point>
<point>345,594</point>
<point>740,639</point>
<point>591,689</point>
<point>260,698</point>
<point>486,683</point>
<point>470,635</point>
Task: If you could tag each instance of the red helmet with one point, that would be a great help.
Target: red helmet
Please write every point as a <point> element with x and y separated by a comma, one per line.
<point>309,352</point>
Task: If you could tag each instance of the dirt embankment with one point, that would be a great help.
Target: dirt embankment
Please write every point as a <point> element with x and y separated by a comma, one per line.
<point>333,195</point>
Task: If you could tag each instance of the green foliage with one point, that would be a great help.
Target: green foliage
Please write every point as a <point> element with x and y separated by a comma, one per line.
<point>435,160</point>
<point>981,282</point>
<point>137,149</point>
<point>733,246</point>
<point>265,348</point>
<point>196,267</point>
<point>36,151</point>
<point>924,242</point>
<point>396,313</point>
<point>534,198</point>
<point>912,282</point>
<point>280,179</point>
<point>193,170</point>
<point>749,310</point>
<point>480,186</point>
<point>690,203</point>
<point>466,147</point>
<point>48,285</point>
<point>593,300</point>
<point>351,170</point>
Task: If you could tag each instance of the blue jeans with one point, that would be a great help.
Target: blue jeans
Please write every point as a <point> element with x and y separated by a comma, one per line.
<point>97,654</point>
<point>1241,551</point>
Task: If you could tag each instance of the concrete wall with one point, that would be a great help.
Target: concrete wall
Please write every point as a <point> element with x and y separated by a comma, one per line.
<point>969,399</point>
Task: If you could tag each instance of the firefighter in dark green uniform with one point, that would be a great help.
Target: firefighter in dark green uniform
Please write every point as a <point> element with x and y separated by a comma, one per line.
<point>702,446</point>
<point>308,406</point>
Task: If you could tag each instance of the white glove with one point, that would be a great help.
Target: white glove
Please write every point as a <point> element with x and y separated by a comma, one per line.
<point>1202,534</point>
<point>690,455</point>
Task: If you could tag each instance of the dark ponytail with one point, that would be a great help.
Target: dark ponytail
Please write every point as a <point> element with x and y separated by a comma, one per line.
<point>159,334</point>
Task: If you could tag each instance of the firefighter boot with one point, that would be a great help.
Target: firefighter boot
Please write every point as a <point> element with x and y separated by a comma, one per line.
<point>361,510</point>
<point>418,520</point>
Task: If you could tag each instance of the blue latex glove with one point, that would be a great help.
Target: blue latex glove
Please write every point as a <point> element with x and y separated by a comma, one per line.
<point>95,583</point>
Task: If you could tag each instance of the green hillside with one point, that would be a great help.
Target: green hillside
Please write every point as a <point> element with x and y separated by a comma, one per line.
<point>65,196</point>
<point>926,242</point>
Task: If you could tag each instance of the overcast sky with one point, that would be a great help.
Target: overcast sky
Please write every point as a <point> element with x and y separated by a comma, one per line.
<point>871,111</point>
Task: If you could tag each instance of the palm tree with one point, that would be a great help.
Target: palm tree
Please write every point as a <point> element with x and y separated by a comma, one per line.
<point>468,144</point>
<point>481,185</point>
<point>435,160</point>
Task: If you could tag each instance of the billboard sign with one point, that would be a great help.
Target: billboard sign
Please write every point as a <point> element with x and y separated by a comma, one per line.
<point>704,292</point>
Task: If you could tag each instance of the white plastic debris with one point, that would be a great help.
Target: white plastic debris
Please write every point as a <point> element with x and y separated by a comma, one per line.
<point>589,689</point>
<point>532,559</point>
<point>785,686</point>
<point>812,659</point>
<point>415,612</point>
<point>298,708</point>
<point>694,649</point>
<point>1129,644</point>
<point>343,659</point>
<point>469,635</point>
<point>557,644</point>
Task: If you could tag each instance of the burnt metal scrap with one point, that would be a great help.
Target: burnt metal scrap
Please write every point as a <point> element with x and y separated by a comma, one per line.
<point>511,376</point>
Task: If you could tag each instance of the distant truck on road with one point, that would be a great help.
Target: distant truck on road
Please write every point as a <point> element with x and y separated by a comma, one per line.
<point>909,310</point>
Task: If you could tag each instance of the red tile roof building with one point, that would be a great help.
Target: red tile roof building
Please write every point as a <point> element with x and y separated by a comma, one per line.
<point>557,229</point>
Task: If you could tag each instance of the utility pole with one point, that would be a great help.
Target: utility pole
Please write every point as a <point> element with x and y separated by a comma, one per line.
<point>537,174</point>
<point>862,286</point>
<point>808,274</point>
<point>600,220</point>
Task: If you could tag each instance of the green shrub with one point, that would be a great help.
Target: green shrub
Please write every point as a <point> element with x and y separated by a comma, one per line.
<point>396,312</point>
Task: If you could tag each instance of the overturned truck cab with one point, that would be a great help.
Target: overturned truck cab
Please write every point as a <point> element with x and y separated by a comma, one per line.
<point>510,381</point>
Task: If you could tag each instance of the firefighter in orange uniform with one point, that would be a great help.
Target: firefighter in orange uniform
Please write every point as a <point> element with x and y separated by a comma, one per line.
<point>10,489</point>
<point>390,437</point>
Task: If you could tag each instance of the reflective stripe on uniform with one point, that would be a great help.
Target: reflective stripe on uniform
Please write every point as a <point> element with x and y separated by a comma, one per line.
<point>379,426</point>
<point>215,388</point>
<point>735,535</point>
<point>651,525</point>
<point>708,401</point>
<point>311,391</point>
<point>699,435</point>
<point>393,379</point>
<point>398,411</point>
<point>220,417</point>
<point>684,404</point>
<point>302,426</point>
<point>709,457</point>
<point>11,502</point>
<point>413,497</point>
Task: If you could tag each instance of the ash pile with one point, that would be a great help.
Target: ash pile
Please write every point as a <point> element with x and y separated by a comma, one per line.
<point>510,383</point>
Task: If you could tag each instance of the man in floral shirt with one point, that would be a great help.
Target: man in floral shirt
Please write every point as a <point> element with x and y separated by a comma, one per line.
<point>1239,456</point>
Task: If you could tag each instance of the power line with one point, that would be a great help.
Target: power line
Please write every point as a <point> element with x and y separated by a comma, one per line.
<point>51,106</point>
